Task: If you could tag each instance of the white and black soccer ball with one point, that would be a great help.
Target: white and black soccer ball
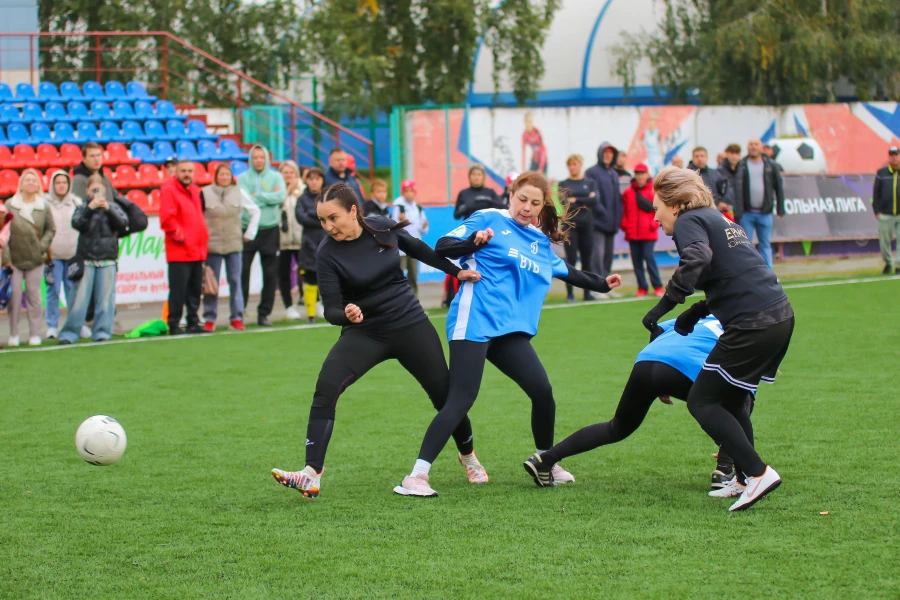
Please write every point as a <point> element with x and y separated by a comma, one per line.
<point>100,440</point>
<point>799,156</point>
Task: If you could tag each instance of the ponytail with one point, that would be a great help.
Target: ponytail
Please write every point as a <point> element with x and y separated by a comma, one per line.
<point>344,195</point>
<point>551,222</point>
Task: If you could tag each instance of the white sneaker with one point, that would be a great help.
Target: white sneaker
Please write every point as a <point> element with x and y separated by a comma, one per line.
<point>34,340</point>
<point>560,475</point>
<point>85,332</point>
<point>602,296</point>
<point>415,485</point>
<point>52,333</point>
<point>757,488</point>
<point>13,341</point>
<point>307,481</point>
<point>729,489</point>
<point>293,314</point>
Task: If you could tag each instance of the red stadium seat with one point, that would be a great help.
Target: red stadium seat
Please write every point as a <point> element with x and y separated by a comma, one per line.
<point>9,182</point>
<point>140,198</point>
<point>211,167</point>
<point>201,177</point>
<point>47,155</point>
<point>154,198</point>
<point>24,157</point>
<point>108,172</point>
<point>126,177</point>
<point>70,155</point>
<point>48,177</point>
<point>149,176</point>
<point>117,154</point>
<point>6,158</point>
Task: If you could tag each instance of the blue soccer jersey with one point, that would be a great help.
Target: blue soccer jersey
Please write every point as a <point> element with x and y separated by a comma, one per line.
<point>684,353</point>
<point>516,268</point>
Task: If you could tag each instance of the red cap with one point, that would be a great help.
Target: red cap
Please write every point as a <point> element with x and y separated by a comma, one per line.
<point>641,168</point>
<point>351,162</point>
<point>408,184</point>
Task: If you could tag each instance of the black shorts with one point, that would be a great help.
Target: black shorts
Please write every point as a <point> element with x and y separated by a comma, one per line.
<point>746,357</point>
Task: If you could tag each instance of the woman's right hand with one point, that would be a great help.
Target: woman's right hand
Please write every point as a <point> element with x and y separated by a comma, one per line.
<point>353,313</point>
<point>484,236</point>
<point>95,203</point>
<point>467,275</point>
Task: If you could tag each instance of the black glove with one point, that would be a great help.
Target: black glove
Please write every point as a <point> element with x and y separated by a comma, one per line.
<point>651,319</point>
<point>656,333</point>
<point>685,322</point>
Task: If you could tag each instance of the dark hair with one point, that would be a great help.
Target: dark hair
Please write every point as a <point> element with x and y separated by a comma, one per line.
<point>553,225</point>
<point>315,171</point>
<point>344,195</point>
<point>335,151</point>
<point>91,146</point>
<point>733,148</point>
<point>221,166</point>
<point>699,149</point>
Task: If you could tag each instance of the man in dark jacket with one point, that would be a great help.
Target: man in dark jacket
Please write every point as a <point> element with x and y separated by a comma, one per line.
<point>758,194</point>
<point>338,172</point>
<point>100,222</point>
<point>714,180</point>
<point>728,170</point>
<point>608,210</point>
<point>886,203</point>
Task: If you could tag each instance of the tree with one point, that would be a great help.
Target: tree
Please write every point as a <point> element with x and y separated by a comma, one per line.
<point>769,51</point>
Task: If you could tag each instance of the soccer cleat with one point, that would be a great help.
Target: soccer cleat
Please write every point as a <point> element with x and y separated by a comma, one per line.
<point>34,340</point>
<point>757,488</point>
<point>13,341</point>
<point>541,472</point>
<point>658,292</point>
<point>560,475</point>
<point>886,270</point>
<point>237,325</point>
<point>476,473</point>
<point>209,326</point>
<point>307,481</point>
<point>730,489</point>
<point>720,477</point>
<point>640,293</point>
<point>293,314</point>
<point>52,333</point>
<point>415,485</point>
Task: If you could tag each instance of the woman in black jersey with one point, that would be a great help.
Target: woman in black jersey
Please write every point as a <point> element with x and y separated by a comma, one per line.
<point>477,196</point>
<point>312,237</point>
<point>744,295</point>
<point>364,291</point>
<point>583,193</point>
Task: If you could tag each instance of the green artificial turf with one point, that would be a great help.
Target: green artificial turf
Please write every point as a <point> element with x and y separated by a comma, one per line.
<point>191,511</point>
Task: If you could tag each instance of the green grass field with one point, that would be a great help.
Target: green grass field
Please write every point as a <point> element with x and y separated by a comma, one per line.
<point>190,511</point>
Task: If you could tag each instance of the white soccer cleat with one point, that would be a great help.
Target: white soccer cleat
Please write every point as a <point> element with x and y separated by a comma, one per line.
<point>85,332</point>
<point>475,472</point>
<point>307,481</point>
<point>415,485</point>
<point>293,314</point>
<point>13,341</point>
<point>34,340</point>
<point>52,333</point>
<point>757,488</point>
<point>560,475</point>
<point>730,489</point>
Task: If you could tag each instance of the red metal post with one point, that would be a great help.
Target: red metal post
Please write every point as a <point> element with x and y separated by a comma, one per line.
<point>165,66</point>
<point>31,58</point>
<point>293,134</point>
<point>240,112</point>
<point>97,54</point>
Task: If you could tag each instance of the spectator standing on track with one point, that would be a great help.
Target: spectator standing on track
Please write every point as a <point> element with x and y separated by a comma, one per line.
<point>677,161</point>
<point>728,170</point>
<point>641,231</point>
<point>339,172</point>
<point>31,233</point>
<point>607,211</point>
<point>313,234</point>
<point>377,205</point>
<point>223,204</point>
<point>582,195</point>
<point>886,203</point>
<point>477,196</point>
<point>181,219</point>
<point>406,209</point>
<point>265,186</point>
<point>759,193</point>
<point>291,236</point>
<point>170,167</point>
<point>714,180</point>
<point>92,163</point>
<point>623,173</point>
<point>62,203</point>
<point>5,218</point>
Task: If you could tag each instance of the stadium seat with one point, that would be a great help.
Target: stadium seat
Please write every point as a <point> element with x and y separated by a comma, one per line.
<point>137,91</point>
<point>110,132</point>
<point>65,133</point>
<point>70,155</point>
<point>9,182</point>
<point>100,111</point>
<point>32,113</point>
<point>47,92</point>
<point>122,111</point>
<point>185,149</point>
<point>166,110</point>
<point>149,176</point>
<point>117,154</point>
<point>144,111</point>
<point>3,140</point>
<point>55,112</point>
<point>156,131</point>
<point>93,91</point>
<point>201,175</point>
<point>198,131</point>
<point>108,172</point>
<point>6,94</point>
<point>78,111</point>
<point>207,150</point>
<point>133,131</point>
<point>25,158</point>
<point>115,90</point>
<point>126,177</point>
<point>163,150</point>
<point>140,198</point>
<point>229,150</point>
<point>6,158</point>
<point>176,130</point>
<point>10,114</point>
<point>25,93</point>
<point>69,91</point>
<point>87,132</point>
<point>142,152</point>
<point>238,168</point>
<point>153,196</point>
<point>41,134</point>
<point>17,133</point>
<point>47,155</point>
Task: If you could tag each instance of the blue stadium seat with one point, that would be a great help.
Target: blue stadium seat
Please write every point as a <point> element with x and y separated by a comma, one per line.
<point>25,93</point>
<point>3,140</point>
<point>207,151</point>
<point>87,132</point>
<point>47,92</point>
<point>94,91</point>
<point>78,111</point>
<point>176,130</point>
<point>6,94</point>
<point>163,150</point>
<point>55,112</point>
<point>144,111</point>
<point>197,130</point>
<point>229,150</point>
<point>166,110</point>
<point>137,91</point>
<point>64,133</point>
<point>110,132</point>
<point>100,111</point>
<point>143,152</point>
<point>156,131</point>
<point>32,113</point>
<point>17,133</point>
<point>186,149</point>
<point>133,131</point>
<point>122,111</point>
<point>41,134</point>
<point>238,168</point>
<point>70,91</point>
<point>115,90</point>
<point>9,114</point>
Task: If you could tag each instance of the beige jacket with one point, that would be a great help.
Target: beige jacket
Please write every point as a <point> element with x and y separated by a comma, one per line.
<point>30,233</point>
<point>65,242</point>
<point>290,239</point>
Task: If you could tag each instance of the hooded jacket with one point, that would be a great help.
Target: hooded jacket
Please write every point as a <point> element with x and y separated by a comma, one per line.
<point>608,210</point>
<point>267,189</point>
<point>181,218</point>
<point>30,232</point>
<point>65,242</point>
<point>638,215</point>
<point>773,192</point>
<point>99,230</point>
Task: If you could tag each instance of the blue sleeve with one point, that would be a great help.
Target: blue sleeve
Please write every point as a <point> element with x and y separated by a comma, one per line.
<point>667,325</point>
<point>476,222</point>
<point>559,266</point>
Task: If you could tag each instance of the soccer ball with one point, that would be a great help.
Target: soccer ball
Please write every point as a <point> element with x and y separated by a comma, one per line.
<point>100,440</point>
<point>799,156</point>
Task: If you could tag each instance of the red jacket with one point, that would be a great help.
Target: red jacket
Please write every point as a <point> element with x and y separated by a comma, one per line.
<point>181,218</point>
<point>638,224</point>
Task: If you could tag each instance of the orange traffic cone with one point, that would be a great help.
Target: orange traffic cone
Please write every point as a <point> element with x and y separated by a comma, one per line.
<point>165,312</point>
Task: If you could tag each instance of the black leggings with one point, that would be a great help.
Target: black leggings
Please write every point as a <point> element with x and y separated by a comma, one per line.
<point>581,243</point>
<point>419,351</point>
<point>514,356</point>
<point>286,260</point>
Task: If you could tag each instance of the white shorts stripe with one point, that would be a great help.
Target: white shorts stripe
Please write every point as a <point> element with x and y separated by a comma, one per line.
<point>465,304</point>
<point>718,369</point>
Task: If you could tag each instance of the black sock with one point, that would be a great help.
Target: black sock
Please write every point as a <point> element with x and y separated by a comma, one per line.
<point>318,434</point>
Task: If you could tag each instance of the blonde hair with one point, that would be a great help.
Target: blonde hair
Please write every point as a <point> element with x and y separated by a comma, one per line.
<point>683,188</point>
<point>576,157</point>
<point>289,164</point>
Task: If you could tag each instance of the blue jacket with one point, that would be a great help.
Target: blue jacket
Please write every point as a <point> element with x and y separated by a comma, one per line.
<point>608,211</point>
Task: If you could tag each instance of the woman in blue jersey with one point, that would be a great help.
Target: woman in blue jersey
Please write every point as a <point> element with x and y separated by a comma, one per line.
<point>664,369</point>
<point>496,320</point>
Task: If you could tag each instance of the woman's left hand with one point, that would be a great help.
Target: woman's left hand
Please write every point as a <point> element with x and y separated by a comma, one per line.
<point>466,275</point>
<point>614,281</point>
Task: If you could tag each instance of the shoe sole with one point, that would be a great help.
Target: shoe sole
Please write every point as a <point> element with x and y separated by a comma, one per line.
<point>308,494</point>
<point>532,470</point>
<point>405,492</point>
<point>762,495</point>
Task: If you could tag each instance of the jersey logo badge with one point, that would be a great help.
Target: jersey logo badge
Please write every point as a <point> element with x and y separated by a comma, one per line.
<point>507,232</point>
<point>534,247</point>
<point>459,232</point>
<point>513,252</point>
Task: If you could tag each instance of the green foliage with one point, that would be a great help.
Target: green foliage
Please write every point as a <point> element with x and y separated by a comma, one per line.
<point>771,52</point>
